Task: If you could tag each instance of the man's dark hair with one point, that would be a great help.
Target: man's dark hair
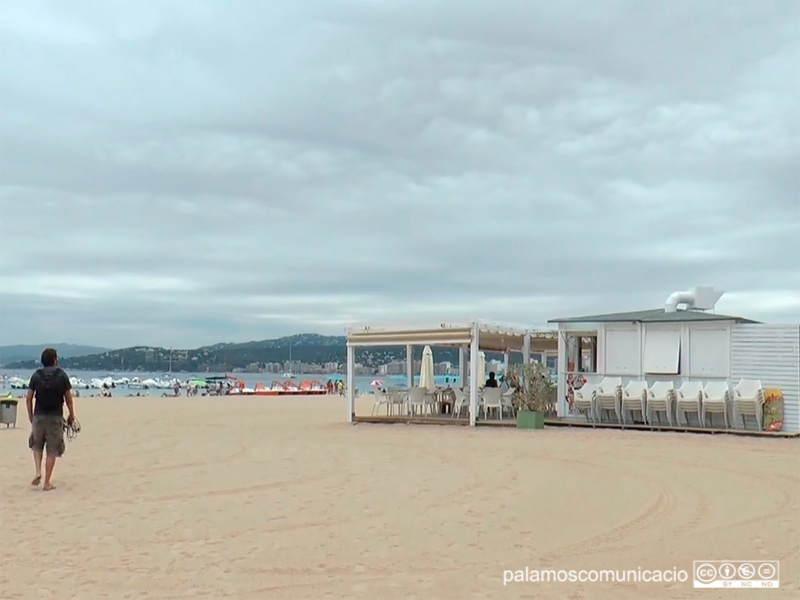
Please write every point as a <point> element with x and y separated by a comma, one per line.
<point>491,375</point>
<point>49,357</point>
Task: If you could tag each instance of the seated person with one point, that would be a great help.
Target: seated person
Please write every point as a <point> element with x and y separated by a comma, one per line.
<point>491,382</point>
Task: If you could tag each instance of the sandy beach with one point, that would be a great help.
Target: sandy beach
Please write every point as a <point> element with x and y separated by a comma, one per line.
<point>167,498</point>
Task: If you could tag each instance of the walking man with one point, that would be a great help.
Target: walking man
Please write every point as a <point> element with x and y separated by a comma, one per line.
<point>52,388</point>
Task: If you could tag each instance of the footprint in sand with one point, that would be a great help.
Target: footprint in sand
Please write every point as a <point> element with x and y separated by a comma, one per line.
<point>760,546</point>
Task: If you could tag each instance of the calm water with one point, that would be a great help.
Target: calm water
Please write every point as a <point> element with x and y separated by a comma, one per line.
<point>250,379</point>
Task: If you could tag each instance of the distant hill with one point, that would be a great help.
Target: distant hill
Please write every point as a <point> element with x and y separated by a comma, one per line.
<point>306,348</point>
<point>33,352</point>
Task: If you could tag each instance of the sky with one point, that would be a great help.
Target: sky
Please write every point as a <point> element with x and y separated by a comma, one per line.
<point>187,173</point>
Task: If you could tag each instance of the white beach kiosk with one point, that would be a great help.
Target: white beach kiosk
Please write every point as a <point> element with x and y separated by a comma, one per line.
<point>688,364</point>
<point>469,338</point>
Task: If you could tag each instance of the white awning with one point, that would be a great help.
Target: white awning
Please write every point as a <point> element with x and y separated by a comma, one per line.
<point>492,337</point>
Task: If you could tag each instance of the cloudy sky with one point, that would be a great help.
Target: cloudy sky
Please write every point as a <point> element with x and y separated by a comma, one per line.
<point>182,173</point>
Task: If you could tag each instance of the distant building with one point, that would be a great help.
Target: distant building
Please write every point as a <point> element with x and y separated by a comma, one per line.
<point>441,368</point>
<point>396,367</point>
<point>498,366</point>
<point>363,369</point>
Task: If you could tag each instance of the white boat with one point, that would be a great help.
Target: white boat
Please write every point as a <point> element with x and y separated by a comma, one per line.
<point>17,383</point>
<point>78,383</point>
<point>289,374</point>
<point>135,384</point>
<point>99,382</point>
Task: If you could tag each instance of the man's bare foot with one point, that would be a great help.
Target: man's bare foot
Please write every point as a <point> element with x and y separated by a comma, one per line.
<point>36,480</point>
<point>47,487</point>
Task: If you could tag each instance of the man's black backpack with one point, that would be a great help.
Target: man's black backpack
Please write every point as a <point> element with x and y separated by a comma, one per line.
<point>50,381</point>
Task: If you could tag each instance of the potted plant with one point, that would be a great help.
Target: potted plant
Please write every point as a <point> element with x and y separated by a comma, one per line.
<point>534,394</point>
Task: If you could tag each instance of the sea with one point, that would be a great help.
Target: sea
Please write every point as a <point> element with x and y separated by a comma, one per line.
<point>362,383</point>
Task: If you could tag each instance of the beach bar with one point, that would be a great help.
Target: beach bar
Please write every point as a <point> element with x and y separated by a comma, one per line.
<point>683,364</point>
<point>470,339</point>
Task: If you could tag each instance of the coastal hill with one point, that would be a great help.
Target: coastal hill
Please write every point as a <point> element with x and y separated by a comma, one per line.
<point>304,348</point>
<point>33,352</point>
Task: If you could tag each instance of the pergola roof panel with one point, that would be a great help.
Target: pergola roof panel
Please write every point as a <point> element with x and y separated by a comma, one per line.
<point>494,337</point>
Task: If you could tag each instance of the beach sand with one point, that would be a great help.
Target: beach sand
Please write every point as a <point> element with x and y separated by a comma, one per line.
<point>280,498</point>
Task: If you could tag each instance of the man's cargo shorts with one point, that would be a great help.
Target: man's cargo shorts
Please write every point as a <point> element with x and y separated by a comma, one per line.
<point>48,431</point>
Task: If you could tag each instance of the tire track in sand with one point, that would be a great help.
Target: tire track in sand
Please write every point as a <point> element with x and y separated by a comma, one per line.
<point>664,505</point>
<point>661,505</point>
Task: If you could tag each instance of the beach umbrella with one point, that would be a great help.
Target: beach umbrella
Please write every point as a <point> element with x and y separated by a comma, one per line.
<point>200,383</point>
<point>426,378</point>
<point>481,369</point>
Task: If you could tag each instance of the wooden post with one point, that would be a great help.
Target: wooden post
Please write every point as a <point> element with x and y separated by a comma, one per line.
<point>410,365</point>
<point>351,392</point>
<point>474,348</point>
<point>526,348</point>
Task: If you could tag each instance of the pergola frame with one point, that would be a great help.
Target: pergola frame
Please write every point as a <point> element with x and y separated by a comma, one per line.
<point>474,337</point>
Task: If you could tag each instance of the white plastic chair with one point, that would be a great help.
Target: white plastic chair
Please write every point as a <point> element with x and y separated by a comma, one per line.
<point>583,400</point>
<point>417,397</point>
<point>689,399</point>
<point>433,401</point>
<point>381,399</point>
<point>608,396</point>
<point>492,398</point>
<point>461,403</point>
<point>748,400</point>
<point>397,400</point>
<point>716,396</point>
<point>506,400</point>
<point>634,398</point>
<point>659,399</point>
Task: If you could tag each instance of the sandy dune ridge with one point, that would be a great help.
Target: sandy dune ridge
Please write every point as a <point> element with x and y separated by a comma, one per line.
<point>163,498</point>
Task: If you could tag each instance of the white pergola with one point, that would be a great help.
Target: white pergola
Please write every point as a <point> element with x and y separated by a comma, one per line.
<point>472,337</point>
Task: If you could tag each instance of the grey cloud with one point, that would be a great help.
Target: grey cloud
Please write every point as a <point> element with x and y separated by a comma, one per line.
<point>191,173</point>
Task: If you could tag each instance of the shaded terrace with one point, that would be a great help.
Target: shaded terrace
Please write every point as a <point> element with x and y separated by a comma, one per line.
<point>469,338</point>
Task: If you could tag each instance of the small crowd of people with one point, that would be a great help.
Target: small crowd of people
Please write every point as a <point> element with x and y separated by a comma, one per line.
<point>335,386</point>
